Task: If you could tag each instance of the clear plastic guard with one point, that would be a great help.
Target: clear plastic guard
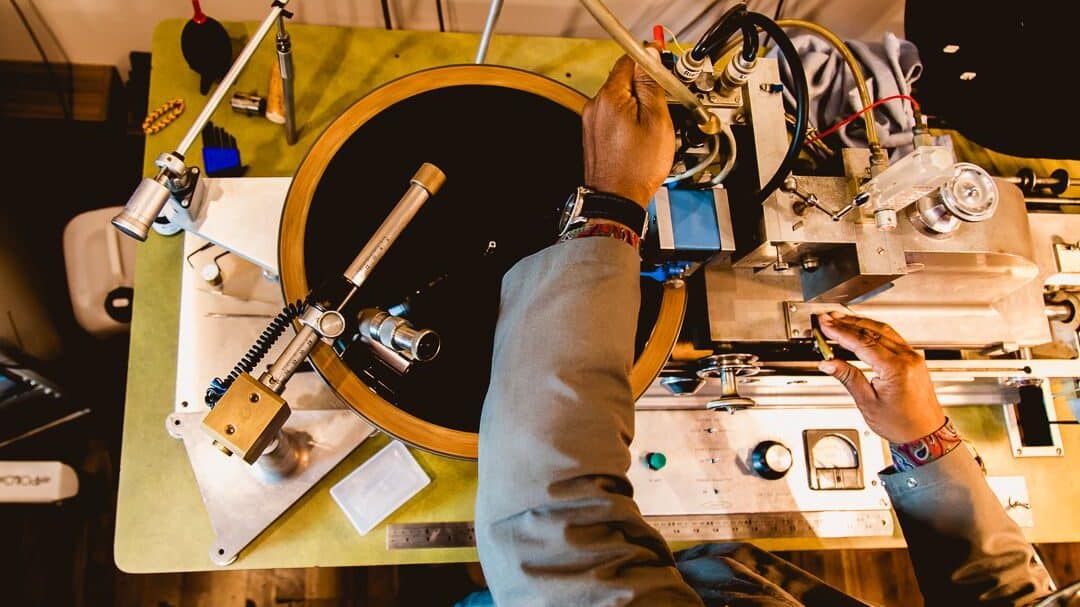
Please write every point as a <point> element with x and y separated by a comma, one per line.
<point>912,177</point>
<point>379,486</point>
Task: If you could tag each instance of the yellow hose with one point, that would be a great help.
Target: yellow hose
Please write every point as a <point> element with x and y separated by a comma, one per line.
<point>853,65</point>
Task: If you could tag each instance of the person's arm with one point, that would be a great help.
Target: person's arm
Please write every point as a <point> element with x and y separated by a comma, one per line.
<point>964,547</point>
<point>556,522</point>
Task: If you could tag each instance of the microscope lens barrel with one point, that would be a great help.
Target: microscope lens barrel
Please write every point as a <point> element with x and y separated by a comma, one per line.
<point>424,184</point>
<point>421,344</point>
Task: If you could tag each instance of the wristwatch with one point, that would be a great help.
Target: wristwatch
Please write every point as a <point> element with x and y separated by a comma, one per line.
<point>585,204</point>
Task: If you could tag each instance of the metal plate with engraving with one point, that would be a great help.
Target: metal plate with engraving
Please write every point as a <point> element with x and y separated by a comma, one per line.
<point>693,462</point>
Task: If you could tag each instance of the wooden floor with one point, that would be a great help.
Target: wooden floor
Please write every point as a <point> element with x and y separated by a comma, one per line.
<point>882,577</point>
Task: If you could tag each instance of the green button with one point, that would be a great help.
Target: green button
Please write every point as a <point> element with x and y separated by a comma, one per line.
<point>655,460</point>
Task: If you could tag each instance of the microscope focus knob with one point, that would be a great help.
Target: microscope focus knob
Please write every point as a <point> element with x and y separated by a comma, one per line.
<point>771,460</point>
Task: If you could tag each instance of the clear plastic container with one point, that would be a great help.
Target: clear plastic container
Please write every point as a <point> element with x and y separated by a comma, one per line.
<point>379,486</point>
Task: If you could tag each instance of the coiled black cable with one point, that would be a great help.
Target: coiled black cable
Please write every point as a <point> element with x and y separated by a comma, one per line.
<point>802,102</point>
<point>717,35</point>
<point>256,353</point>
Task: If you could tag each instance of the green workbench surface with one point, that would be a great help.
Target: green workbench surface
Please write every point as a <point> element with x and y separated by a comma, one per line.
<point>161,524</point>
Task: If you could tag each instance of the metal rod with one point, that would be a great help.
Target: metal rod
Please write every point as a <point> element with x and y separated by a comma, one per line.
<point>285,66</point>
<point>54,423</point>
<point>424,184</point>
<point>230,78</point>
<point>1061,202</point>
<point>1060,312</point>
<point>296,352</point>
<point>489,29</point>
<point>707,122</point>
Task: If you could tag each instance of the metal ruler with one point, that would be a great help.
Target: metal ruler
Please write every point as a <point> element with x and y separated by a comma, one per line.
<point>850,523</point>
<point>430,535</point>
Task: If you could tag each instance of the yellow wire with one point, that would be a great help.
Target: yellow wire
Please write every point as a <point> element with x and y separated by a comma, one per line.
<point>853,65</point>
<point>674,40</point>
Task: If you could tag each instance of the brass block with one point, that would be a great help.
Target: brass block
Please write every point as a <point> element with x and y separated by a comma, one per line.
<point>246,419</point>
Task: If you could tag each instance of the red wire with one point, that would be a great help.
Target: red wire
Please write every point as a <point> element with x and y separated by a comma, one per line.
<point>658,35</point>
<point>199,17</point>
<point>849,119</point>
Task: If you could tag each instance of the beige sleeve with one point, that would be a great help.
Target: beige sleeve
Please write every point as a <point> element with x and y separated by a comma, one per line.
<point>965,548</point>
<point>556,523</point>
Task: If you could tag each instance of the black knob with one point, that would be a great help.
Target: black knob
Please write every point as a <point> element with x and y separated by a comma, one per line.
<point>771,459</point>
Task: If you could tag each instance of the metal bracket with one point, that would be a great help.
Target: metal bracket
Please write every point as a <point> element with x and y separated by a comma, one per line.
<point>798,316</point>
<point>241,214</point>
<point>242,500</point>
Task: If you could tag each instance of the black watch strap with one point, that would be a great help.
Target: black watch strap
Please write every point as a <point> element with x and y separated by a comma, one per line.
<point>601,205</point>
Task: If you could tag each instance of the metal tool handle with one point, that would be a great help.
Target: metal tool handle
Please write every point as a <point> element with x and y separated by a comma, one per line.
<point>424,184</point>
<point>489,29</point>
<point>285,67</point>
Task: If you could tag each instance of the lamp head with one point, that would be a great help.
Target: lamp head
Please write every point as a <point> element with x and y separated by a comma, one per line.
<point>142,208</point>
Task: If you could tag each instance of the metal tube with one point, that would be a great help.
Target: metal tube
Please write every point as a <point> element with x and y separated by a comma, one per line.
<point>230,78</point>
<point>1063,202</point>
<point>285,66</point>
<point>707,122</point>
<point>279,373</point>
<point>424,184</point>
<point>489,29</point>
<point>1061,312</point>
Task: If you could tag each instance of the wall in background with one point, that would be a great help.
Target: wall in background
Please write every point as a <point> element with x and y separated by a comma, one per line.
<point>104,31</point>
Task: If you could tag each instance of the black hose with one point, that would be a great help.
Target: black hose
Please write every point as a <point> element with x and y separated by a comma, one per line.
<point>716,36</point>
<point>802,102</point>
<point>256,353</point>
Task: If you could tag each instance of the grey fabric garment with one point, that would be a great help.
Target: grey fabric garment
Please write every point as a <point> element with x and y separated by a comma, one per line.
<point>556,522</point>
<point>890,67</point>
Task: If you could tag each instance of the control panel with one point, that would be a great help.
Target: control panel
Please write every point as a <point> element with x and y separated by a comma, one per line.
<point>761,459</point>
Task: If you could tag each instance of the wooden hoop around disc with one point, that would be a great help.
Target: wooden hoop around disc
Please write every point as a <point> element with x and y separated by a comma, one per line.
<point>346,384</point>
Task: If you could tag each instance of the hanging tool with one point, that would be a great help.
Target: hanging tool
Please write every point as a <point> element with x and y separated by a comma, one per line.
<point>206,47</point>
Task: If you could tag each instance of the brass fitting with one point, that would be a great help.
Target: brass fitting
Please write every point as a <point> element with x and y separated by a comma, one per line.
<point>247,419</point>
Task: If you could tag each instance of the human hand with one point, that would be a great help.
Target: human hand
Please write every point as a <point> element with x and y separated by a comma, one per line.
<point>628,137</point>
<point>899,404</point>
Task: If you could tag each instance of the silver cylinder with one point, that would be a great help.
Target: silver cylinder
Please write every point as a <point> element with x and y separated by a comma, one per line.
<point>297,350</point>
<point>425,183</point>
<point>286,455</point>
<point>489,29</point>
<point>395,361</point>
<point>143,207</point>
<point>886,220</point>
<point>399,335</point>
<point>285,67</point>
<point>736,74</point>
<point>1060,312</point>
